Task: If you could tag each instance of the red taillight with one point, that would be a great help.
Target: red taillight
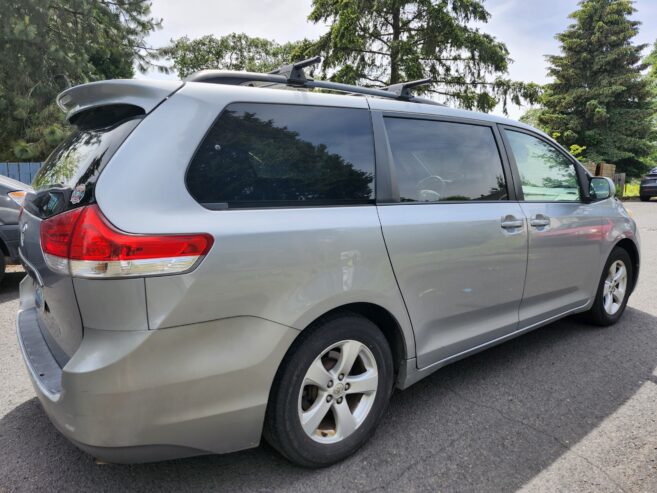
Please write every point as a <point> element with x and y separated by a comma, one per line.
<point>93,247</point>
<point>57,231</point>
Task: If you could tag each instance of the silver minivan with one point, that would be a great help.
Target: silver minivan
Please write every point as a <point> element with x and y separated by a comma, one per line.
<point>237,256</point>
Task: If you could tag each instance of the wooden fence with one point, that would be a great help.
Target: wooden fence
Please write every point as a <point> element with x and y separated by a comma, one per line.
<point>608,170</point>
<point>20,171</point>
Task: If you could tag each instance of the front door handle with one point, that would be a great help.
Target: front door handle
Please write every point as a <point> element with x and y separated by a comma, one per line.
<point>539,221</point>
<point>511,222</point>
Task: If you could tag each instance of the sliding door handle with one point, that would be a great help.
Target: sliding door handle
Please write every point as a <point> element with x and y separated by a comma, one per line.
<point>539,221</point>
<point>511,222</point>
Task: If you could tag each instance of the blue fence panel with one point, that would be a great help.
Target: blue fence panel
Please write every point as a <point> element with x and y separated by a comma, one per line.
<point>20,171</point>
<point>13,171</point>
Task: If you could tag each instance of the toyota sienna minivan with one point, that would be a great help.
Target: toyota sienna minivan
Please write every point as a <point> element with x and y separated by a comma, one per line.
<point>238,256</point>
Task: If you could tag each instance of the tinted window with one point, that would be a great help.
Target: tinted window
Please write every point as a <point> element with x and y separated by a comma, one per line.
<point>80,156</point>
<point>547,175</point>
<point>68,176</point>
<point>272,154</point>
<point>442,161</point>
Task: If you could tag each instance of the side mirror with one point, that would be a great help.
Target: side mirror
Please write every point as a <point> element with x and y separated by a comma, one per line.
<point>601,188</point>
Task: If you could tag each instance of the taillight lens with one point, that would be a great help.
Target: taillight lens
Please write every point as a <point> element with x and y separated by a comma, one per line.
<point>83,243</point>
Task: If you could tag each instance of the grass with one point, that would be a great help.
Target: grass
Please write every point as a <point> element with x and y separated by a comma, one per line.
<point>631,189</point>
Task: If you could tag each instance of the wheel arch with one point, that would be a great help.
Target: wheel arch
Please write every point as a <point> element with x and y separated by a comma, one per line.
<point>384,320</point>
<point>632,250</point>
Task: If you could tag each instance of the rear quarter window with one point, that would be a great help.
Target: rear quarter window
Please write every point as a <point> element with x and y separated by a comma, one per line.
<point>269,155</point>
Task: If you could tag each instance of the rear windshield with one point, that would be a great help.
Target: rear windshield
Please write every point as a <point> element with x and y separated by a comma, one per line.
<point>81,156</point>
<point>68,177</point>
<point>276,155</point>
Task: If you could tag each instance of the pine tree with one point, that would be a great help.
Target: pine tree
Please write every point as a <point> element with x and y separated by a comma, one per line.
<point>599,97</point>
<point>48,45</point>
<point>382,42</point>
<point>651,60</point>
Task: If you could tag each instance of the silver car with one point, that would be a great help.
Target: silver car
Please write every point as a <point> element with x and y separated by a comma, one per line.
<point>211,263</point>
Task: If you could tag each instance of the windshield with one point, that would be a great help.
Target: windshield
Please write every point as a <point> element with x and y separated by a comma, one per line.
<point>80,157</point>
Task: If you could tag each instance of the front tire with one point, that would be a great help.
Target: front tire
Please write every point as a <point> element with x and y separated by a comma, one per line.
<point>330,391</point>
<point>644,198</point>
<point>613,289</point>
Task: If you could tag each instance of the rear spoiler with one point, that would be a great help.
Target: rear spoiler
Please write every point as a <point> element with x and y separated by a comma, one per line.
<point>145,94</point>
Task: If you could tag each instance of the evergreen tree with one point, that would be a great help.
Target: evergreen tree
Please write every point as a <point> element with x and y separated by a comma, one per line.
<point>49,45</point>
<point>651,60</point>
<point>382,42</point>
<point>599,97</point>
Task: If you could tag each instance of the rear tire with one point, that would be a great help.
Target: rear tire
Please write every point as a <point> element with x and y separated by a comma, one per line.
<point>613,289</point>
<point>322,408</point>
<point>644,198</point>
<point>3,266</point>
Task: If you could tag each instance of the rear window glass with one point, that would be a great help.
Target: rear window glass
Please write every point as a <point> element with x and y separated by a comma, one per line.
<point>284,155</point>
<point>81,155</point>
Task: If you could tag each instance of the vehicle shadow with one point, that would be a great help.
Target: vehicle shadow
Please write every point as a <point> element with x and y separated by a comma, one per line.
<point>488,423</point>
<point>9,285</point>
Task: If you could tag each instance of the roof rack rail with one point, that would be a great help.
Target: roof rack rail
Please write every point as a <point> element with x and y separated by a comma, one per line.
<point>293,75</point>
<point>294,71</point>
<point>403,89</point>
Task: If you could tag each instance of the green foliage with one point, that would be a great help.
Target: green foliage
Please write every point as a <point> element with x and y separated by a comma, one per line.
<point>577,151</point>
<point>49,45</point>
<point>532,117</point>
<point>231,52</point>
<point>377,43</point>
<point>599,97</point>
<point>651,61</point>
<point>382,42</point>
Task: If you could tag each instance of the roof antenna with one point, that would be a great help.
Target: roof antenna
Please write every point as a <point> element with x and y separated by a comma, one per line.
<point>294,73</point>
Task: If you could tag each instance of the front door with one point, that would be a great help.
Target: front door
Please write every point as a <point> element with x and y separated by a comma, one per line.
<point>564,233</point>
<point>457,244</point>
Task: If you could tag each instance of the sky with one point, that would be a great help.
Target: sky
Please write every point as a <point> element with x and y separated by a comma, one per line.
<point>527,27</point>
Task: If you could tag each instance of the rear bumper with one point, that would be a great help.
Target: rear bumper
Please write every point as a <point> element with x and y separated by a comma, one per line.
<point>139,396</point>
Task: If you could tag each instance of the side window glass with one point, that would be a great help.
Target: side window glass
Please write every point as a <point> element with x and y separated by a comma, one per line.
<point>547,175</point>
<point>443,161</point>
<point>264,155</point>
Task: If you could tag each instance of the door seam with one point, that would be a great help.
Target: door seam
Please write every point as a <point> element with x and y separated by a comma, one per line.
<point>401,294</point>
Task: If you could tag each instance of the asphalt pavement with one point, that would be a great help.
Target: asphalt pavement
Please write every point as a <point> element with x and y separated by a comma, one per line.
<point>567,407</point>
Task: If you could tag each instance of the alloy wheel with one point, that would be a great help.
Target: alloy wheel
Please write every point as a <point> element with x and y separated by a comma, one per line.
<point>338,391</point>
<point>615,287</point>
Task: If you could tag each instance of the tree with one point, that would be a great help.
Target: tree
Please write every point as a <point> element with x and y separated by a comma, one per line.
<point>599,97</point>
<point>651,61</point>
<point>49,45</point>
<point>532,117</point>
<point>231,52</point>
<point>382,42</point>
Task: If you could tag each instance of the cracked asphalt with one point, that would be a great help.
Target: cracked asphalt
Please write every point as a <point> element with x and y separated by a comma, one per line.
<point>565,408</point>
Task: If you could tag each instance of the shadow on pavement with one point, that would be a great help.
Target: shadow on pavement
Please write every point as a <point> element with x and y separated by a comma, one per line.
<point>490,422</point>
<point>9,286</point>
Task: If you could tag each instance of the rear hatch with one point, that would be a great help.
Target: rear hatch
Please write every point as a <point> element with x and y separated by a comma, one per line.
<point>104,114</point>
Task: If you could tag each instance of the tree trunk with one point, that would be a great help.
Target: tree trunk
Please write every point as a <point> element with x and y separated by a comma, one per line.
<point>394,45</point>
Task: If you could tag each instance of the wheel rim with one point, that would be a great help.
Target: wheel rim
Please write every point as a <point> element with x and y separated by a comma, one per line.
<point>338,391</point>
<point>615,287</point>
